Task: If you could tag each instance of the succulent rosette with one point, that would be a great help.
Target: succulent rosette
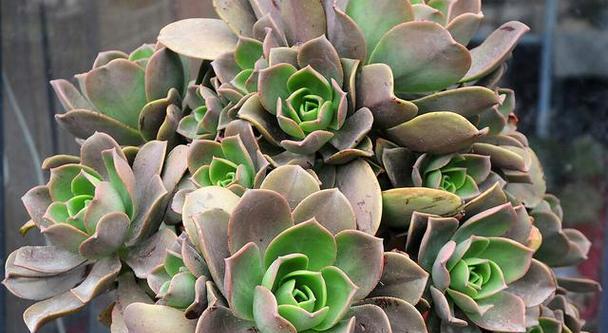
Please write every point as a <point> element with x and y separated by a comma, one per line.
<point>96,211</point>
<point>556,315</point>
<point>461,174</point>
<point>482,268</point>
<point>205,108</point>
<point>238,71</point>
<point>561,246</point>
<point>404,87</point>
<point>182,280</point>
<point>455,173</point>
<point>312,128</point>
<point>133,97</point>
<point>228,163</point>
<point>282,257</point>
<point>302,90</point>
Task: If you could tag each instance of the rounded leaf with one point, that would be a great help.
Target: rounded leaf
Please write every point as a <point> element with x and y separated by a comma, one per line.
<point>144,318</point>
<point>308,238</point>
<point>427,67</point>
<point>330,208</point>
<point>400,203</point>
<point>436,133</point>
<point>199,38</point>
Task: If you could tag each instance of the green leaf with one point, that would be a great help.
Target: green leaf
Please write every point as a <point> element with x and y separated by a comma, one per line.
<point>360,256</point>
<point>308,238</point>
<point>248,51</point>
<point>180,293</point>
<point>301,319</point>
<point>143,52</point>
<point>340,293</point>
<point>494,222</point>
<point>117,90</point>
<point>266,313</point>
<point>60,182</point>
<point>244,272</point>
<point>400,203</point>
<point>272,85</point>
<point>513,258</point>
<point>283,266</point>
<point>375,18</point>
<point>312,80</point>
<point>122,179</point>
<point>436,133</point>
<point>426,67</point>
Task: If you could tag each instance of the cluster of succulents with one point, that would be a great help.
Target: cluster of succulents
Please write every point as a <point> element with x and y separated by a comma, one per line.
<point>302,166</point>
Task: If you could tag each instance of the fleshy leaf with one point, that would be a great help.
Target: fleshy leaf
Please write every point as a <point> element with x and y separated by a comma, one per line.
<point>466,101</point>
<point>350,179</point>
<point>237,14</point>
<point>259,217</point>
<point>244,271</point>
<point>308,238</point>
<point>265,312</point>
<point>330,208</point>
<point>219,319</point>
<point>401,278</point>
<point>204,199</point>
<point>303,20</point>
<point>400,203</point>
<point>429,67</point>
<point>198,38</point>
<point>376,91</point>
<point>377,17</point>
<point>143,318</point>
<point>340,293</point>
<point>436,132</point>
<point>360,257</point>
<point>495,50</point>
<point>292,182</point>
<point>117,90</point>
<point>506,313</point>
<point>320,54</point>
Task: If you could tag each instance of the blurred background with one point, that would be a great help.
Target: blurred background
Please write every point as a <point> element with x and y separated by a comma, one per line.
<point>559,73</point>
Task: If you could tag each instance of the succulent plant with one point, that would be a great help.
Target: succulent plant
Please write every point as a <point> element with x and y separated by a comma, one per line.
<point>238,71</point>
<point>133,97</point>
<point>404,89</point>
<point>560,246</point>
<point>205,110</point>
<point>455,173</point>
<point>296,271</point>
<point>313,128</point>
<point>482,267</point>
<point>460,174</point>
<point>302,90</point>
<point>96,211</point>
<point>227,164</point>
<point>556,315</point>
